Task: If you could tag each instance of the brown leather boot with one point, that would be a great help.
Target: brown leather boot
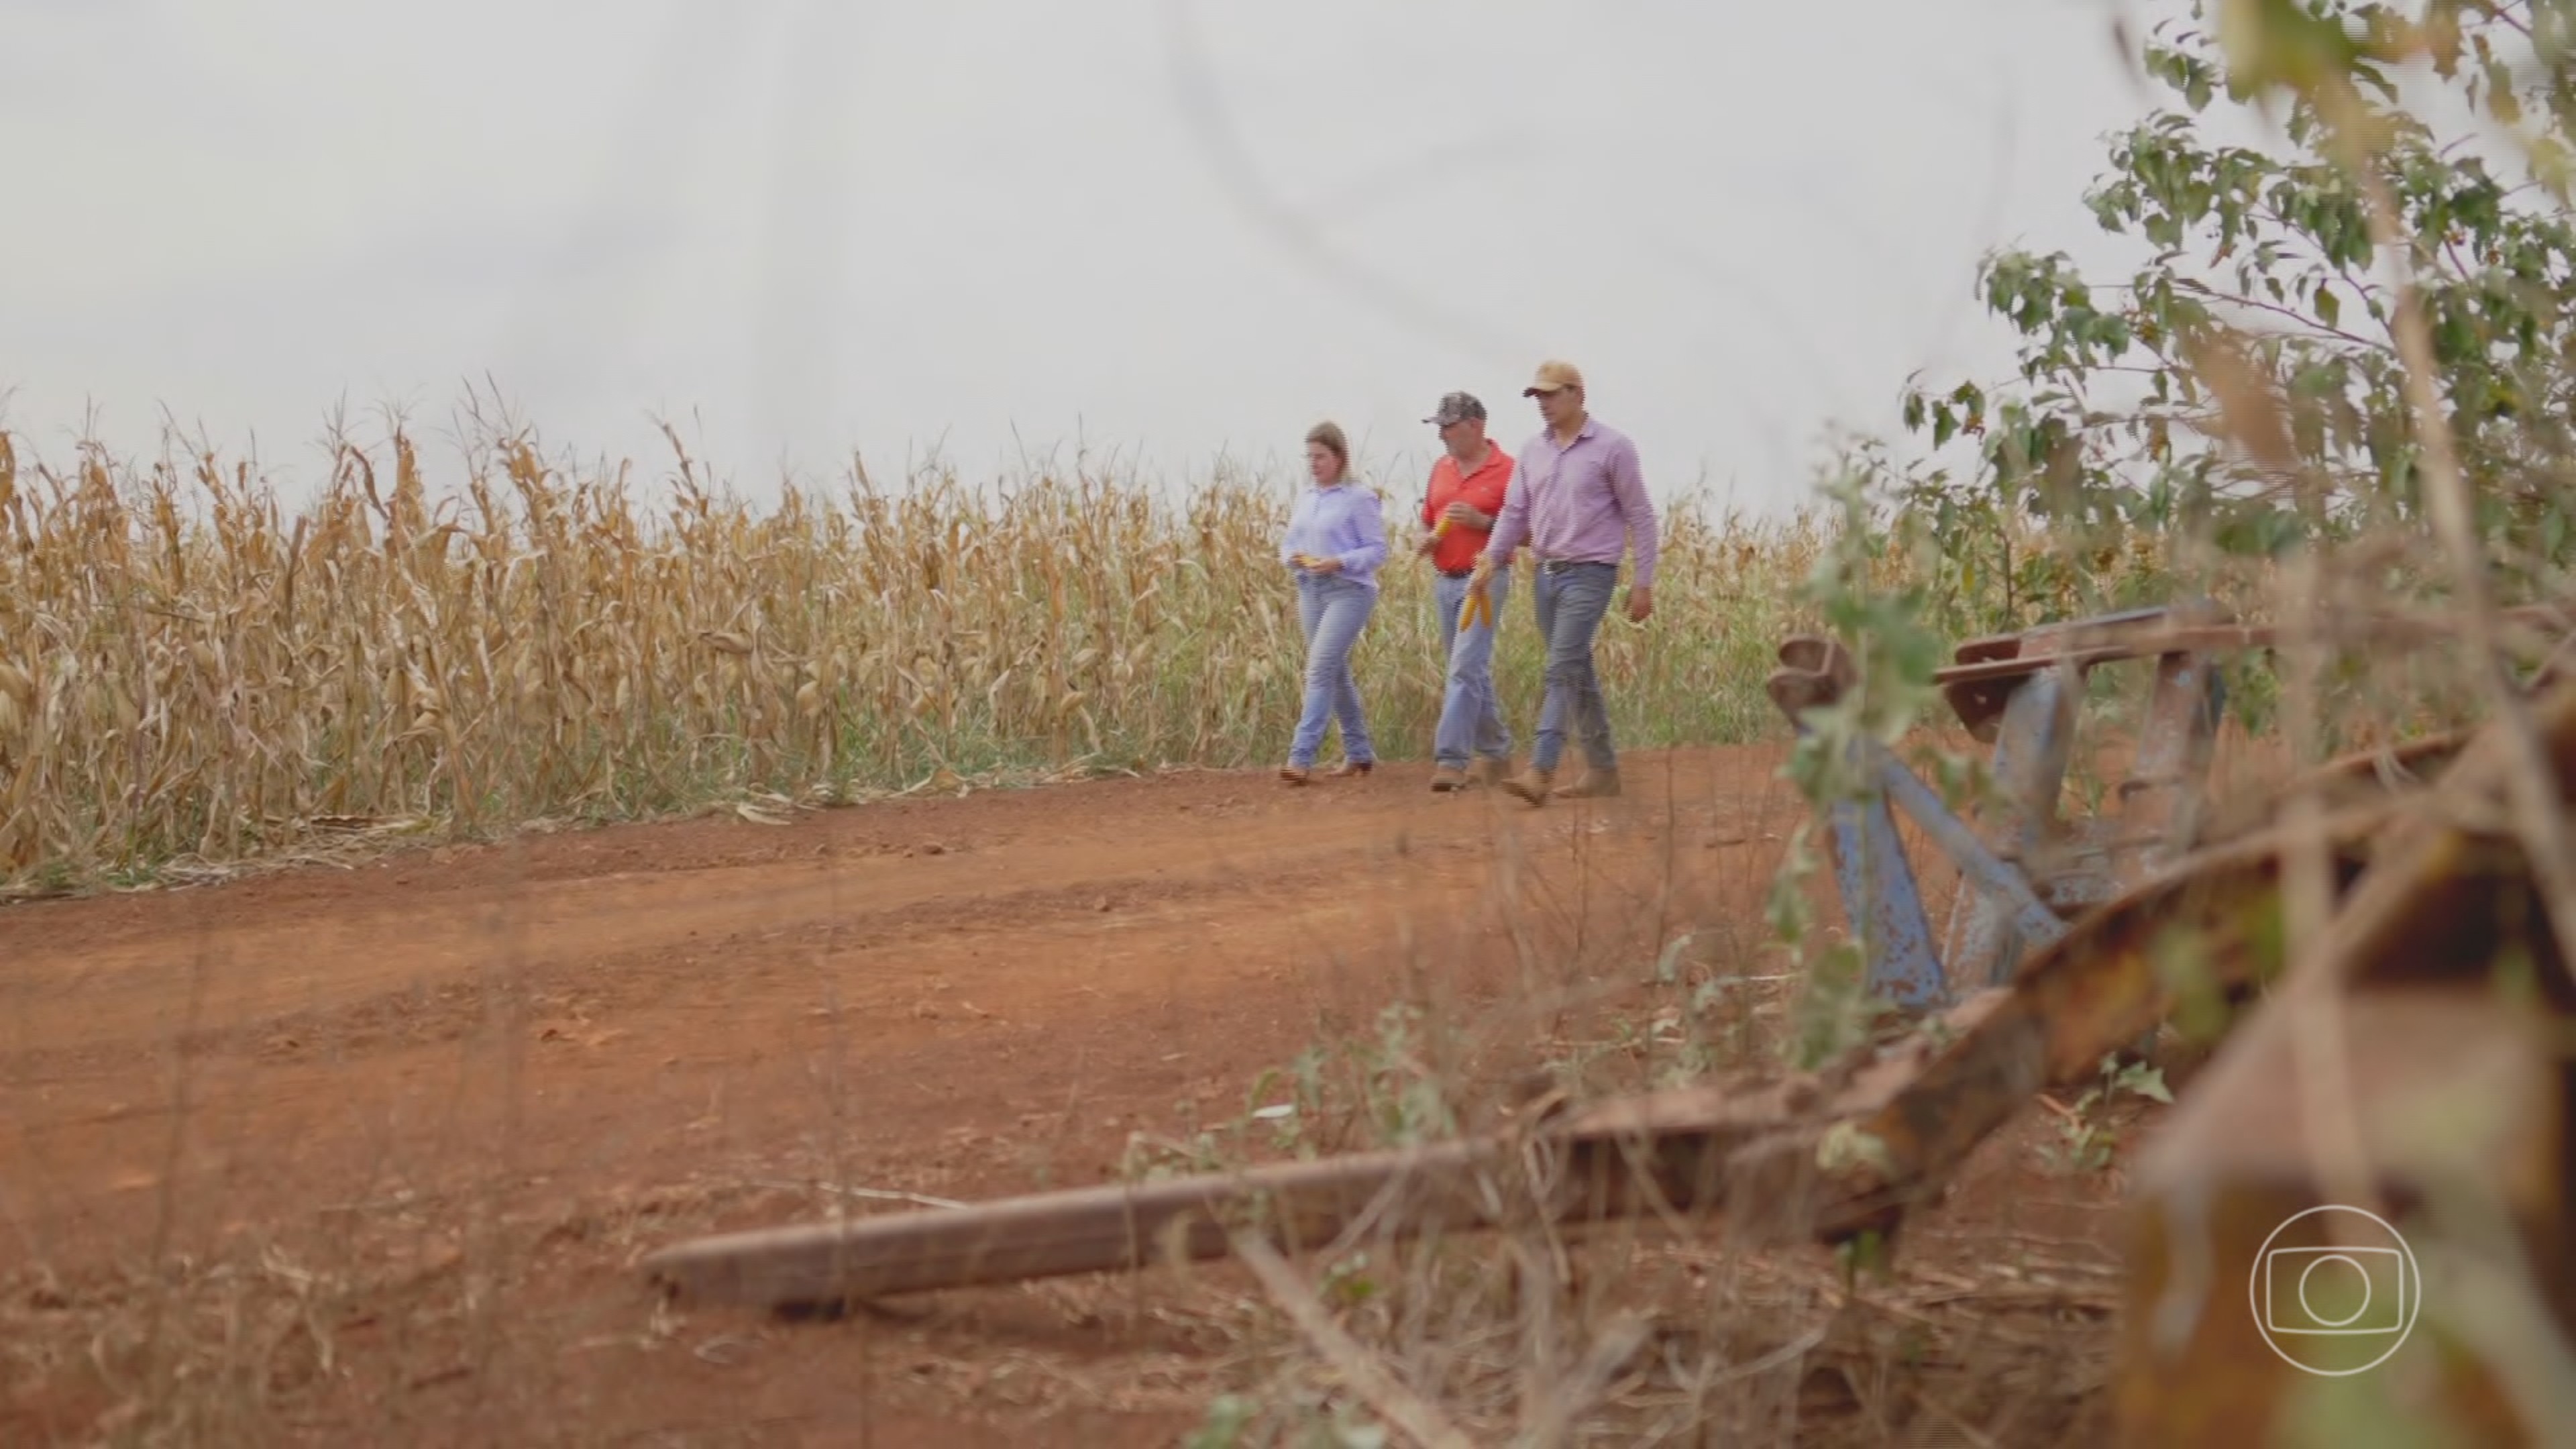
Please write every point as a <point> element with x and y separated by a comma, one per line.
<point>1592,785</point>
<point>1448,778</point>
<point>1532,785</point>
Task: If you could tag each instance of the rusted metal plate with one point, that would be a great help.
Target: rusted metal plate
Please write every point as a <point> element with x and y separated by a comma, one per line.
<point>2253,1283</point>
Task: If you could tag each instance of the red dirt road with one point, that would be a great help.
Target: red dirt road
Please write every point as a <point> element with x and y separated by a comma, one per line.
<point>396,1134</point>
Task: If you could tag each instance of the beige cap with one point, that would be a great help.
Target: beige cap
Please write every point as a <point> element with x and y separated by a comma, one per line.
<point>1553,375</point>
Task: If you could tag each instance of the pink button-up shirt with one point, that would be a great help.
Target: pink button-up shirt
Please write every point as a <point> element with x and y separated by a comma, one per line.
<point>1581,502</point>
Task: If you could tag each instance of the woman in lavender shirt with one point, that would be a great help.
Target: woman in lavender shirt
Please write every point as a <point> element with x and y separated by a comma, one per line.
<point>1335,541</point>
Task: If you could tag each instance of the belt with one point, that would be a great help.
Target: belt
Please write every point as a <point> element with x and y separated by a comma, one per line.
<point>1456,573</point>
<point>1560,565</point>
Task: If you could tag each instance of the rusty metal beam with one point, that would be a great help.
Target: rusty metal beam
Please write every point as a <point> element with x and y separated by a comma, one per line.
<point>2451,884</point>
<point>2378,773</point>
<point>1978,685</point>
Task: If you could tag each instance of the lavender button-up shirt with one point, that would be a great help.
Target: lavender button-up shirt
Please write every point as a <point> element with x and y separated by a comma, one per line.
<point>1581,502</point>
<point>1346,522</point>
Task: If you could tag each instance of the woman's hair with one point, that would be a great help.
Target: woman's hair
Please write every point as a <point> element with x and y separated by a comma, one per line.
<point>1330,435</point>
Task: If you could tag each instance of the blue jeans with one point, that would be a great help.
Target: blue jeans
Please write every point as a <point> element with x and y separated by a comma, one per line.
<point>1570,604</point>
<point>1471,717</point>
<point>1332,610</point>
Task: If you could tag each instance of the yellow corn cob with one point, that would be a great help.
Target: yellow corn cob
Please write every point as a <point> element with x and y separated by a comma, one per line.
<point>1479,606</point>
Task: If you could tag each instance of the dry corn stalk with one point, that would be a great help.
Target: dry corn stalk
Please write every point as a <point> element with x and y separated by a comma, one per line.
<point>192,667</point>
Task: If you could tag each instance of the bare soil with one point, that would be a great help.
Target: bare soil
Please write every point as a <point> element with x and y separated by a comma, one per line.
<point>367,1154</point>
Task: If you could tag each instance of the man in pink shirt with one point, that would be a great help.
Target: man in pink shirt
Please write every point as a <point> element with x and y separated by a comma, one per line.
<point>1578,498</point>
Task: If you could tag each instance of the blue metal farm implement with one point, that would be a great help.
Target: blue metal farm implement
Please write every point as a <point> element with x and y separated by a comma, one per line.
<point>2030,870</point>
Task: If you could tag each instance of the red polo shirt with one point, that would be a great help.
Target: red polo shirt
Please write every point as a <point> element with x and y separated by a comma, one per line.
<point>1481,490</point>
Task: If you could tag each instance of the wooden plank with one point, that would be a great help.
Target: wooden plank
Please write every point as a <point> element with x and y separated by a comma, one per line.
<point>1610,1162</point>
<point>1112,1228</point>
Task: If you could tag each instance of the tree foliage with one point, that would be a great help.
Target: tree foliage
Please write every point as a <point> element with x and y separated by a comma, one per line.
<point>2244,384</point>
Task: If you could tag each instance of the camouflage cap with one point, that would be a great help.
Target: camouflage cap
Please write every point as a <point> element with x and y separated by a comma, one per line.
<point>1456,407</point>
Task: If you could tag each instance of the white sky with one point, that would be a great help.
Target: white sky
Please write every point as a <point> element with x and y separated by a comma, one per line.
<point>1164,227</point>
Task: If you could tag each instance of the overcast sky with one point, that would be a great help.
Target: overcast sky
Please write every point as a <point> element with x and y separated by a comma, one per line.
<point>1166,227</point>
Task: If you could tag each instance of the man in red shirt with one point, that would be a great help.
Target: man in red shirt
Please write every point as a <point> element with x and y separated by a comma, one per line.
<point>1468,485</point>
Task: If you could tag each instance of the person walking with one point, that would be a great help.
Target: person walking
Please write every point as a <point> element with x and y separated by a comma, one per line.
<point>1335,541</point>
<point>1579,500</point>
<point>1469,483</point>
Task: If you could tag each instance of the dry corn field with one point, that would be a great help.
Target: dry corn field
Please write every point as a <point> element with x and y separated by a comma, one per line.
<point>354,1129</point>
<point>195,675</point>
